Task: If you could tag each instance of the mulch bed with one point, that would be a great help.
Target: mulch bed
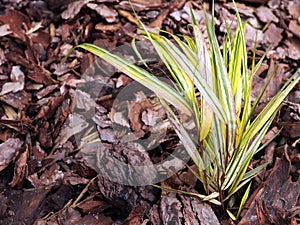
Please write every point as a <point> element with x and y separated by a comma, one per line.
<point>61,126</point>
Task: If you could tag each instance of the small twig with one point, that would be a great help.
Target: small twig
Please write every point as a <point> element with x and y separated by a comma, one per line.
<point>83,192</point>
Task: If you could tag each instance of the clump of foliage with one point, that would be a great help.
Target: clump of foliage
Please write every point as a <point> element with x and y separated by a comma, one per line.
<point>228,135</point>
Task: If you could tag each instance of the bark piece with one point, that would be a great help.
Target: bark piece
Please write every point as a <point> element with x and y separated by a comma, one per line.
<point>20,169</point>
<point>16,21</point>
<point>266,15</point>
<point>294,27</point>
<point>69,216</point>
<point>41,75</point>
<point>5,30</point>
<point>18,100</point>
<point>147,3</point>
<point>110,162</point>
<point>109,14</point>
<point>46,91</point>
<point>293,49</point>
<point>27,205</point>
<point>73,9</point>
<point>90,205</point>
<point>276,195</point>
<point>294,8</point>
<point>180,209</point>
<point>8,151</point>
<point>95,219</point>
<point>274,4</point>
<point>18,80</point>
<point>292,128</point>
<point>274,34</point>
<point>257,1</point>
<point>274,85</point>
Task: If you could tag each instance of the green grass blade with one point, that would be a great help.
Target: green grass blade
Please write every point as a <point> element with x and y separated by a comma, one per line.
<point>244,199</point>
<point>160,88</point>
<point>270,108</point>
<point>225,88</point>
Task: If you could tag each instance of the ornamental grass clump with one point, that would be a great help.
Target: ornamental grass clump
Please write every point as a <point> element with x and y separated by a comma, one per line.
<point>214,86</point>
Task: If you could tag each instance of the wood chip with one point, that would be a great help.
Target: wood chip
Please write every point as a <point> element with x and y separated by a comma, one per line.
<point>18,80</point>
<point>265,14</point>
<point>73,9</point>
<point>108,13</point>
<point>294,27</point>
<point>8,151</point>
<point>5,30</point>
<point>294,8</point>
<point>278,192</point>
<point>274,34</point>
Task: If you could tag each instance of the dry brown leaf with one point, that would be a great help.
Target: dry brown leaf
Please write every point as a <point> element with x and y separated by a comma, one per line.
<point>107,27</point>
<point>157,23</point>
